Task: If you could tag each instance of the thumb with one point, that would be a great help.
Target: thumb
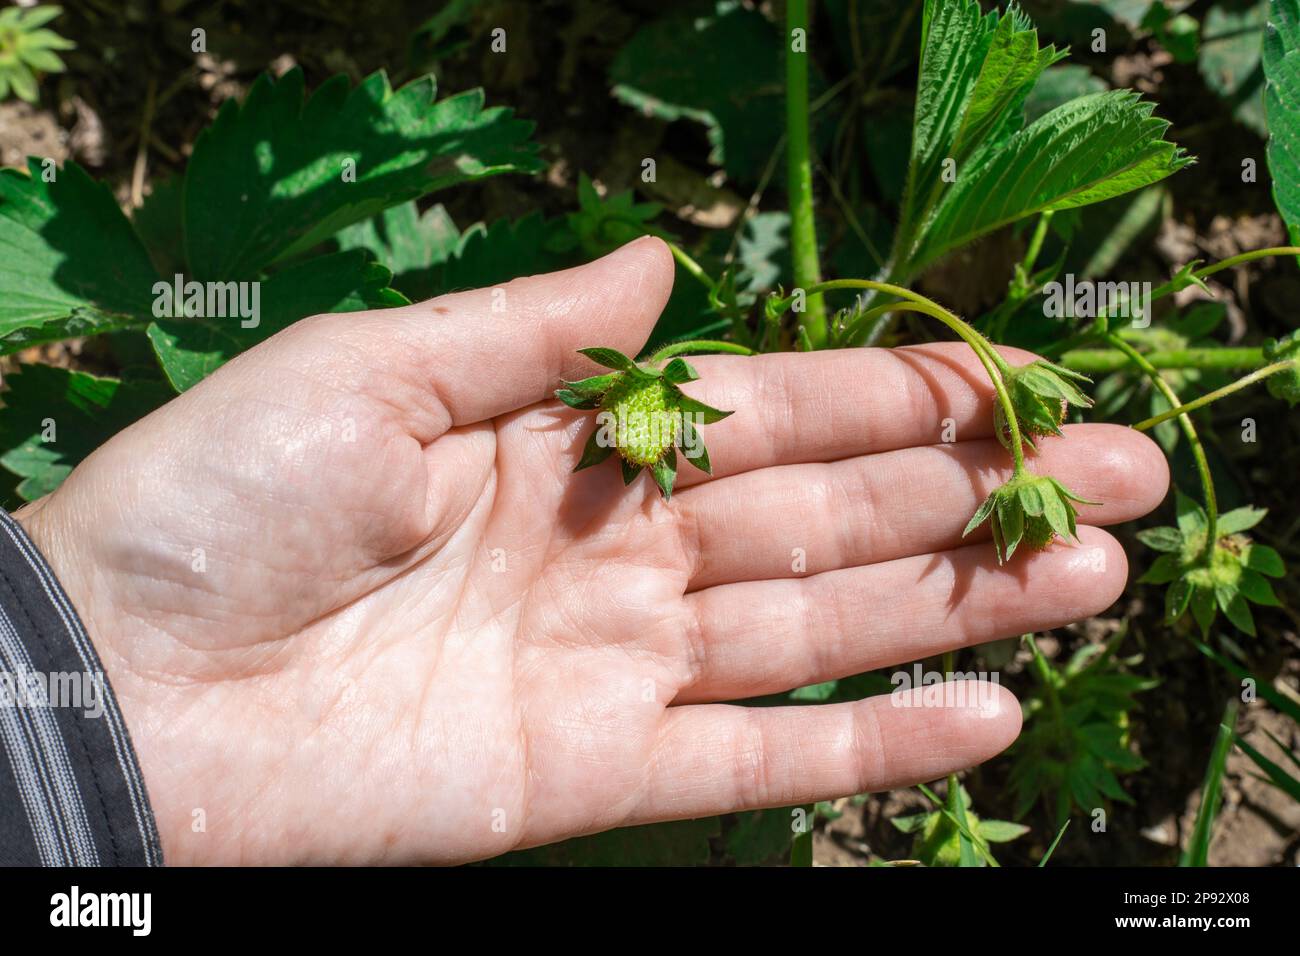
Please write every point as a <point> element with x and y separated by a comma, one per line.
<point>470,356</point>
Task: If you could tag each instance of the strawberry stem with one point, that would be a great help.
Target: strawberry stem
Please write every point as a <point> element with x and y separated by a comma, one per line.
<point>994,364</point>
<point>1198,451</point>
<point>698,345</point>
<point>803,225</point>
<point>1214,396</point>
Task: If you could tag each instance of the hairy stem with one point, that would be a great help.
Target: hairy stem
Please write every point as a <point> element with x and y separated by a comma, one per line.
<point>1215,395</point>
<point>803,227</point>
<point>698,345</point>
<point>994,364</point>
<point>1193,440</point>
<point>1101,361</point>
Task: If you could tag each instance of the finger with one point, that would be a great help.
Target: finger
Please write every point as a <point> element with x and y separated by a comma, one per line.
<point>821,406</point>
<point>716,758</point>
<point>804,519</point>
<point>469,356</point>
<point>760,637</point>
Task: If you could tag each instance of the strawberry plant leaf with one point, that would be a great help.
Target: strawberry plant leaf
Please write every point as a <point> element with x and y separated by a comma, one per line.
<point>281,172</point>
<point>70,263</point>
<point>409,243</point>
<point>54,417</point>
<point>1282,106</point>
<point>189,349</point>
<point>976,167</point>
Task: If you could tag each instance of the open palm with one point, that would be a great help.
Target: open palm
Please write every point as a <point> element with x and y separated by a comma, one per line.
<point>357,607</point>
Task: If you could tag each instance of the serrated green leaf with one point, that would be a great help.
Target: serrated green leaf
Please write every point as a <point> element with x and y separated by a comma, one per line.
<point>410,244</point>
<point>77,412</point>
<point>281,172</point>
<point>190,349</point>
<point>1088,150</point>
<point>70,263</point>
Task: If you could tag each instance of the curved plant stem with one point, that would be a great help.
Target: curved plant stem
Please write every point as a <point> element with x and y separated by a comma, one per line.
<point>690,265</point>
<point>1101,361</point>
<point>698,345</point>
<point>1198,450</point>
<point>803,227</point>
<point>994,364</point>
<point>1215,395</point>
<point>1098,325</point>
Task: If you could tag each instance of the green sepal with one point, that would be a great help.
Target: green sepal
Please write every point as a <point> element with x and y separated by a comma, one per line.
<point>1235,609</point>
<point>612,358</point>
<point>1067,493</point>
<point>981,514</point>
<point>1203,608</point>
<point>1166,568</point>
<point>1255,587</point>
<point>1031,499</point>
<point>665,473</point>
<point>595,385</point>
<point>678,371</point>
<point>594,452</point>
<point>1161,539</point>
<point>1012,521</point>
<point>1191,516</point>
<point>691,436</point>
<point>575,400</point>
<point>1262,558</point>
<point>1176,599</point>
<point>708,414</point>
<point>630,471</point>
<point>1240,519</point>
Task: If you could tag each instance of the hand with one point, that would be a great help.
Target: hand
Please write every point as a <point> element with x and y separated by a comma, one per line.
<point>357,608</point>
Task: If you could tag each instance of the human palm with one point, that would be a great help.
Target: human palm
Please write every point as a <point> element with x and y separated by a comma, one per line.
<point>357,607</point>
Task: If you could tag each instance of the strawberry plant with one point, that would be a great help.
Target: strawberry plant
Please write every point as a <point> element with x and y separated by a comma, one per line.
<point>872,154</point>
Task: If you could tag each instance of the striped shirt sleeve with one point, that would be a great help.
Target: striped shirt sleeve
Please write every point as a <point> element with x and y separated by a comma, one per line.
<point>71,792</point>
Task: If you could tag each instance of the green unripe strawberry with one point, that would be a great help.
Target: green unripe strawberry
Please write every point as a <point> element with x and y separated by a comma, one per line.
<point>1040,394</point>
<point>1029,508</point>
<point>644,420</point>
<point>643,416</point>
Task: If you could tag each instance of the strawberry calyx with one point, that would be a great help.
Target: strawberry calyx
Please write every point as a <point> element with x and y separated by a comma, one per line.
<point>643,416</point>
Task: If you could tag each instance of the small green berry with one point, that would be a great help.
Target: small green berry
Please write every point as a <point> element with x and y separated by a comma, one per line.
<point>644,416</point>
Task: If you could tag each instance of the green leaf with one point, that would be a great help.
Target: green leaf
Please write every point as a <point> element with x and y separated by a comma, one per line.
<point>1058,85</point>
<point>281,172</point>
<point>761,836</point>
<point>190,349</point>
<point>492,255</point>
<point>603,223</point>
<point>54,417</point>
<point>1236,610</point>
<point>1161,539</point>
<point>1278,776</point>
<point>408,243</point>
<point>720,65</point>
<point>70,263</point>
<point>1198,846</point>
<point>1088,150</point>
<point>159,225</point>
<point>1230,59</point>
<point>1282,105</point>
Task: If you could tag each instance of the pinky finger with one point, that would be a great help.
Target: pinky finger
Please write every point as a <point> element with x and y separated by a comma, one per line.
<point>719,758</point>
